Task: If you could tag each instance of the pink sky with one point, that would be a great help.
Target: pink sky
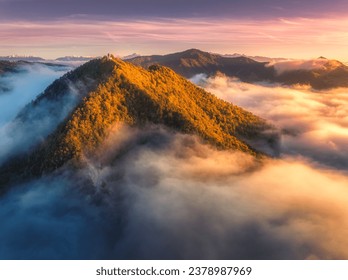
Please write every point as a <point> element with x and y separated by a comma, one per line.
<point>282,37</point>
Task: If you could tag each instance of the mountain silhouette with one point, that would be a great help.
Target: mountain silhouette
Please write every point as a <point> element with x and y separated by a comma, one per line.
<point>192,62</point>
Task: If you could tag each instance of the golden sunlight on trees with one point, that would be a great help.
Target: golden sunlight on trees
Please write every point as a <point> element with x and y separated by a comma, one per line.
<point>131,95</point>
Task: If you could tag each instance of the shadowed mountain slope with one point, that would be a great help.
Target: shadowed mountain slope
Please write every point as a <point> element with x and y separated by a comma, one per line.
<point>332,74</point>
<point>193,62</point>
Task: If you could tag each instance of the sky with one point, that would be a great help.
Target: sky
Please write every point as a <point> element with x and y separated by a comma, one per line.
<point>275,28</point>
<point>150,193</point>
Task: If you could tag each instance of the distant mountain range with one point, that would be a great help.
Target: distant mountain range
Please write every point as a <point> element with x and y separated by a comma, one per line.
<point>23,58</point>
<point>7,66</point>
<point>74,58</point>
<point>320,76</point>
<point>257,58</point>
<point>15,58</point>
<point>71,58</point>
<point>109,91</point>
<point>328,74</point>
<point>133,55</point>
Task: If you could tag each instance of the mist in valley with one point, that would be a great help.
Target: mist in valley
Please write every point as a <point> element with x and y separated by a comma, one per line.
<point>152,193</point>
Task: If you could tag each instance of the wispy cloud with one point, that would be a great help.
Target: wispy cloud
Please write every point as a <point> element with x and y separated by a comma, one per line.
<point>293,37</point>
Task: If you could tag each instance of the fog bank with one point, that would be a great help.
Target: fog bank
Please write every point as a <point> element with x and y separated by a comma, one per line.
<point>151,194</point>
<point>314,124</point>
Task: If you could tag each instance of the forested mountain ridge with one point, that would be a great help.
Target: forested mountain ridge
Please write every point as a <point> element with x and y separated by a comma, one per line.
<point>120,92</point>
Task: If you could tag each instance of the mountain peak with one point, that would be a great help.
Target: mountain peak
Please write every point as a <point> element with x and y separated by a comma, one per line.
<point>195,54</point>
<point>194,51</point>
<point>193,61</point>
<point>130,56</point>
<point>123,93</point>
<point>333,64</point>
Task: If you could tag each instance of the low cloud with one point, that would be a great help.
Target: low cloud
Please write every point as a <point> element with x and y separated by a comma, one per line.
<point>152,194</point>
<point>18,134</point>
<point>23,86</point>
<point>310,64</point>
<point>314,123</point>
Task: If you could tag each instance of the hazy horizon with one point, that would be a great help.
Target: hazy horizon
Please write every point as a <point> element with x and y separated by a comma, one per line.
<point>301,29</point>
